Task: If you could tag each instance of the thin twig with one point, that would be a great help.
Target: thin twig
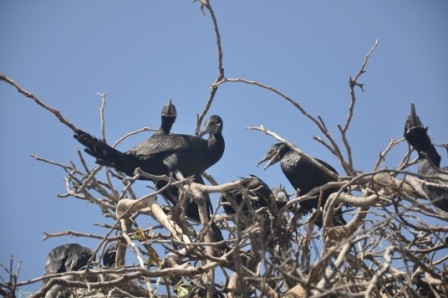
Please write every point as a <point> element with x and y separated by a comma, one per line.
<point>102,120</point>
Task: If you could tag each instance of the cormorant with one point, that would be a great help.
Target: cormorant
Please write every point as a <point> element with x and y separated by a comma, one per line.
<point>74,257</point>
<point>67,257</point>
<point>428,159</point>
<point>122,162</point>
<point>303,176</point>
<point>192,210</point>
<point>162,154</point>
<point>110,254</point>
<point>255,210</point>
<point>168,116</point>
<point>256,194</point>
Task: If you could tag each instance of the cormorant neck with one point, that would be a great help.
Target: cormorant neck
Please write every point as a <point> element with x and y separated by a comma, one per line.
<point>289,159</point>
<point>418,138</point>
<point>167,123</point>
<point>216,145</point>
<point>431,154</point>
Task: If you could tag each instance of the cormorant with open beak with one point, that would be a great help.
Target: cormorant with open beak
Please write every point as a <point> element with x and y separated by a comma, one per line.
<point>304,176</point>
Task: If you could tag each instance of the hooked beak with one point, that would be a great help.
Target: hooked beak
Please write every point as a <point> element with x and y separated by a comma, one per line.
<point>205,131</point>
<point>210,128</point>
<point>273,157</point>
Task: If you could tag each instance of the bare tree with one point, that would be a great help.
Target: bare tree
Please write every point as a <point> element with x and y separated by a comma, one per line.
<point>393,246</point>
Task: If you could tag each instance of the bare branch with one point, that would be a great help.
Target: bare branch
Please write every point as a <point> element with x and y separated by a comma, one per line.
<point>102,121</point>
<point>214,86</point>
<point>301,153</point>
<point>354,83</point>
<point>28,94</point>
<point>334,146</point>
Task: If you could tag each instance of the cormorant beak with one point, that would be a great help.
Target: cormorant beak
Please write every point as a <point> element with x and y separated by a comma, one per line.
<point>272,156</point>
<point>210,128</point>
<point>169,110</point>
<point>203,132</point>
<point>412,121</point>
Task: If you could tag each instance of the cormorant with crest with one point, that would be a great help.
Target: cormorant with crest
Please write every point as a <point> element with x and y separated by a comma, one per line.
<point>162,154</point>
<point>304,176</point>
<point>168,117</point>
<point>428,160</point>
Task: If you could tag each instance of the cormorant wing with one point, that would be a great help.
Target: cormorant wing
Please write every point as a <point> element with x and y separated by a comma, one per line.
<point>327,166</point>
<point>167,144</point>
<point>67,257</point>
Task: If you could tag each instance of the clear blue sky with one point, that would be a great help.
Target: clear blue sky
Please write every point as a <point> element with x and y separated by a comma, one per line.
<point>141,53</point>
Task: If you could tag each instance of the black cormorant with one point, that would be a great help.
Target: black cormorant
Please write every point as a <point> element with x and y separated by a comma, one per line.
<point>67,257</point>
<point>168,117</point>
<point>110,254</point>
<point>192,210</point>
<point>74,257</point>
<point>162,154</point>
<point>428,160</point>
<point>303,176</point>
<point>255,194</point>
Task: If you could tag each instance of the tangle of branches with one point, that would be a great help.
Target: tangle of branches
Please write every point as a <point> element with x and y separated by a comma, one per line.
<point>388,248</point>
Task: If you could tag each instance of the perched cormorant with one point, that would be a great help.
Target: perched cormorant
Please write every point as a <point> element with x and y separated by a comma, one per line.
<point>168,117</point>
<point>303,176</point>
<point>428,160</point>
<point>162,154</point>
<point>192,210</point>
<point>73,257</point>
<point>255,195</point>
<point>110,254</point>
<point>255,210</point>
<point>67,257</point>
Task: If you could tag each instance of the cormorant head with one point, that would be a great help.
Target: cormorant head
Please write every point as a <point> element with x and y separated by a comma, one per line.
<point>280,196</point>
<point>413,121</point>
<point>168,116</point>
<point>417,136</point>
<point>109,254</point>
<point>256,187</point>
<point>414,131</point>
<point>169,110</point>
<point>213,125</point>
<point>274,154</point>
